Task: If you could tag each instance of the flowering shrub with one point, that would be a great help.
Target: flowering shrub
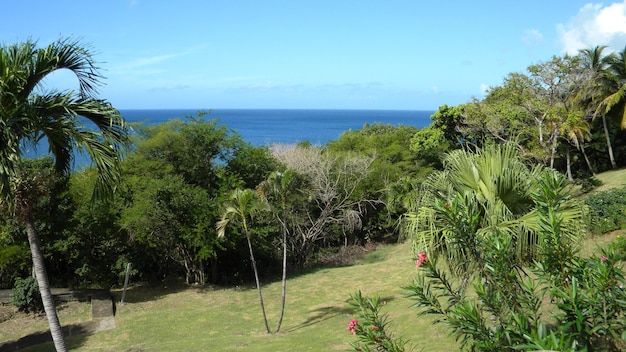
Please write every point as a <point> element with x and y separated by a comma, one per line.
<point>372,328</point>
<point>505,311</point>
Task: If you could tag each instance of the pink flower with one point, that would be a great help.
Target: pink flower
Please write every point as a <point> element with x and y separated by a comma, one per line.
<point>421,259</point>
<point>603,258</point>
<point>374,327</point>
<point>352,326</point>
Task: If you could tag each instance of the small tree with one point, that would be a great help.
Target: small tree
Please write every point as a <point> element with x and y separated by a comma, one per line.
<point>240,209</point>
<point>332,196</point>
<point>279,187</point>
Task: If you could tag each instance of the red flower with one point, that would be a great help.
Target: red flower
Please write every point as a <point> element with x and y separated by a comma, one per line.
<point>421,259</point>
<point>352,326</point>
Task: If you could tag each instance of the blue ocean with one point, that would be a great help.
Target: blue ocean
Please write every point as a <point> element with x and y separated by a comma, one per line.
<point>267,126</point>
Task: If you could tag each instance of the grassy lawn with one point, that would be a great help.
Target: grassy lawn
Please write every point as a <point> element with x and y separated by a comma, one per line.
<point>611,179</point>
<point>178,318</point>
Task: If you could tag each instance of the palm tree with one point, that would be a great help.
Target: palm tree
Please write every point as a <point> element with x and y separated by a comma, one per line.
<point>280,185</point>
<point>476,195</point>
<point>600,85</point>
<point>576,131</point>
<point>615,98</point>
<point>241,207</point>
<point>30,115</point>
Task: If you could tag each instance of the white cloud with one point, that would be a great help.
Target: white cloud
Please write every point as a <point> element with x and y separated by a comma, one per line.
<point>532,37</point>
<point>484,88</point>
<point>595,24</point>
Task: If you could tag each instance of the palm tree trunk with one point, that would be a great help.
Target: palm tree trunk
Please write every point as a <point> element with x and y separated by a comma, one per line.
<point>258,284</point>
<point>44,287</point>
<point>569,164</point>
<point>582,149</point>
<point>608,142</point>
<point>284,282</point>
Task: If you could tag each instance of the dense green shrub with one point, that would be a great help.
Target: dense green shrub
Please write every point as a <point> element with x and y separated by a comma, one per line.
<point>25,295</point>
<point>607,210</point>
<point>619,247</point>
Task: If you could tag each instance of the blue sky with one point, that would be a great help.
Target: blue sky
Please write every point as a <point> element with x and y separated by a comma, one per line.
<point>337,54</point>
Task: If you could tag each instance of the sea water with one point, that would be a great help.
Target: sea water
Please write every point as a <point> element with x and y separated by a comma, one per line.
<point>267,126</point>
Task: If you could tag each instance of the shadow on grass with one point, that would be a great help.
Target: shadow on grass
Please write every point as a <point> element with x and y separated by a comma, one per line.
<point>75,336</point>
<point>320,315</point>
<point>353,255</point>
<point>328,312</point>
<point>147,292</point>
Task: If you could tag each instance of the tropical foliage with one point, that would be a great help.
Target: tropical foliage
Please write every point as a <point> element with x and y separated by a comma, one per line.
<point>30,115</point>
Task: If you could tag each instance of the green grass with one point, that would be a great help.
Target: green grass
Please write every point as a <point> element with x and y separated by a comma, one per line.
<point>179,318</point>
<point>611,179</point>
<point>173,317</point>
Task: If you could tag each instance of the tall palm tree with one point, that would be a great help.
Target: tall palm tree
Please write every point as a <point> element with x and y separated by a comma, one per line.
<point>30,115</point>
<point>241,207</point>
<point>478,194</point>
<point>598,87</point>
<point>615,98</point>
<point>280,186</point>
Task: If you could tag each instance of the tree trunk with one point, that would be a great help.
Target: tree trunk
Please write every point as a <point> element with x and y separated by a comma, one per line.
<point>608,142</point>
<point>258,283</point>
<point>555,138</point>
<point>284,282</point>
<point>569,164</point>
<point>582,150</point>
<point>44,287</point>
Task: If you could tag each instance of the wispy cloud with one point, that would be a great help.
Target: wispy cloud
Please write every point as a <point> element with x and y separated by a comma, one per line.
<point>484,88</point>
<point>143,62</point>
<point>532,37</point>
<point>595,24</point>
<point>169,88</point>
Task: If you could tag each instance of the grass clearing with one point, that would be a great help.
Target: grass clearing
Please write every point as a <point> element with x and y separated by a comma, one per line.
<point>173,317</point>
<point>14,324</point>
<point>611,179</point>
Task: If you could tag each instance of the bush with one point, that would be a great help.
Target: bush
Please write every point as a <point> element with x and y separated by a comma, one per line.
<point>588,184</point>
<point>607,210</point>
<point>25,295</point>
<point>619,247</point>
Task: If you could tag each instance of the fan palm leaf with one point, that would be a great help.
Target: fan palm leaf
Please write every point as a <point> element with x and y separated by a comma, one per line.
<point>477,195</point>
